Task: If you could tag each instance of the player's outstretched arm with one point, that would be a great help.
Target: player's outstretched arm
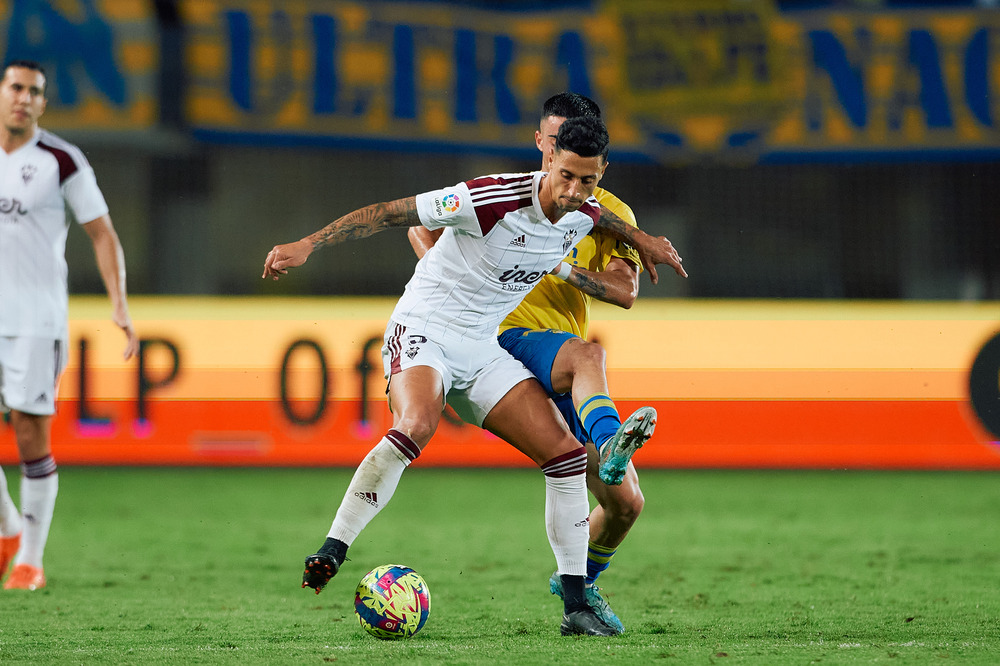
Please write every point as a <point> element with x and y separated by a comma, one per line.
<point>361,223</point>
<point>617,284</point>
<point>111,264</point>
<point>652,250</point>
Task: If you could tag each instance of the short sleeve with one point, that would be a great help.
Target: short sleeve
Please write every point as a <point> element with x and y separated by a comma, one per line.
<point>448,207</point>
<point>84,196</point>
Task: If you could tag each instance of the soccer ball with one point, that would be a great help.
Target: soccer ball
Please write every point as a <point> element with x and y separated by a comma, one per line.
<point>392,601</point>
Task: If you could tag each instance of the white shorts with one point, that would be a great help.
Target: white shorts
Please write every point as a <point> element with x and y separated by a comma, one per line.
<point>29,373</point>
<point>476,374</point>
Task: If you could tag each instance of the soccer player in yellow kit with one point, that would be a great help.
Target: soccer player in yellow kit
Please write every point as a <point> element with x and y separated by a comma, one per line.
<point>547,332</point>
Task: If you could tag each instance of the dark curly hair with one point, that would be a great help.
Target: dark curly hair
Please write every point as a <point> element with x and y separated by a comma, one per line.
<point>585,135</point>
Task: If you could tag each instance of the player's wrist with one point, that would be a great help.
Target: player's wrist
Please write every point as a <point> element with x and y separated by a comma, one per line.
<point>564,271</point>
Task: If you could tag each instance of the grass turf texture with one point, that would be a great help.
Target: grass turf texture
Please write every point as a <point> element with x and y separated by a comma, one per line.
<point>203,566</point>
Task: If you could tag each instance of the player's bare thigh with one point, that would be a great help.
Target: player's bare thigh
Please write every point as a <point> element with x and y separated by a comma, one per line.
<point>416,398</point>
<point>530,422</point>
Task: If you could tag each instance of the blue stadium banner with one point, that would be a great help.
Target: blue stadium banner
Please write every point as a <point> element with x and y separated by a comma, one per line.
<point>101,59</point>
<point>421,73</point>
<point>677,78</point>
<point>891,83</point>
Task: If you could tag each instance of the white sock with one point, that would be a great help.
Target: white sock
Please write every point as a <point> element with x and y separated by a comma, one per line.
<point>10,518</point>
<point>373,485</point>
<point>567,511</point>
<point>38,501</point>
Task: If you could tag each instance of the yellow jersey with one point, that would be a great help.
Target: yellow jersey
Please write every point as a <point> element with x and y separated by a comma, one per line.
<point>553,303</point>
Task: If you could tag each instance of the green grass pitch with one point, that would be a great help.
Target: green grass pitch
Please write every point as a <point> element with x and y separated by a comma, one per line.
<point>186,566</point>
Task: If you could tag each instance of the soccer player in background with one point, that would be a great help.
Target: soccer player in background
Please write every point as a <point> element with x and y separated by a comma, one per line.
<point>547,332</point>
<point>501,234</point>
<point>40,175</point>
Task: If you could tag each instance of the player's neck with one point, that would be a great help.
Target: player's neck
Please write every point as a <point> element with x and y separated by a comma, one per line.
<point>546,202</point>
<point>11,140</point>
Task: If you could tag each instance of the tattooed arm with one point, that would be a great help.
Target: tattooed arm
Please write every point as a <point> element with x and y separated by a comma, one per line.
<point>617,284</point>
<point>652,250</point>
<point>362,223</point>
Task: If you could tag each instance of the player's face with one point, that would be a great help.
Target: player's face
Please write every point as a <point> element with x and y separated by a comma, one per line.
<point>572,178</point>
<point>545,137</point>
<point>22,98</point>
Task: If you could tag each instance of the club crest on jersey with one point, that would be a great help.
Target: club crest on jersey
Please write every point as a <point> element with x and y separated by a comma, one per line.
<point>447,205</point>
<point>569,240</point>
<point>28,172</point>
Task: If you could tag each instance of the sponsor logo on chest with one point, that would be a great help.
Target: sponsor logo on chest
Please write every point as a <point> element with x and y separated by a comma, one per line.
<point>518,279</point>
<point>11,209</point>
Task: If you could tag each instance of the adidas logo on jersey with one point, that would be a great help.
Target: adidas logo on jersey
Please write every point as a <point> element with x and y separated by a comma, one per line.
<point>42,397</point>
<point>520,241</point>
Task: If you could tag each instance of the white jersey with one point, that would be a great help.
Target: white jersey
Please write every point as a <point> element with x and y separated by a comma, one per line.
<point>496,245</point>
<point>37,182</point>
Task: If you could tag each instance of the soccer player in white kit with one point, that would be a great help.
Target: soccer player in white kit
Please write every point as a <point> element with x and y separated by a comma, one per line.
<point>502,234</point>
<point>40,174</point>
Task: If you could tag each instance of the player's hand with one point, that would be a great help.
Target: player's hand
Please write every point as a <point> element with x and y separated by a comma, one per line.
<point>123,322</point>
<point>132,345</point>
<point>660,251</point>
<point>283,257</point>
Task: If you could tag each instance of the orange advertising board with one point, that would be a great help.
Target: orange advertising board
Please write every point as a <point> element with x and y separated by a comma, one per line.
<point>756,384</point>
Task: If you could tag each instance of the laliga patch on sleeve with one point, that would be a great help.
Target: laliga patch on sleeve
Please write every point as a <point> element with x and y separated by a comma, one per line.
<point>446,204</point>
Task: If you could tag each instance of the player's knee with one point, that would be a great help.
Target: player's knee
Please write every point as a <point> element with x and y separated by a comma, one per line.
<point>420,430</point>
<point>590,354</point>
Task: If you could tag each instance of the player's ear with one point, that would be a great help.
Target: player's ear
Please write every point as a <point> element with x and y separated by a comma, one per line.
<point>538,140</point>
